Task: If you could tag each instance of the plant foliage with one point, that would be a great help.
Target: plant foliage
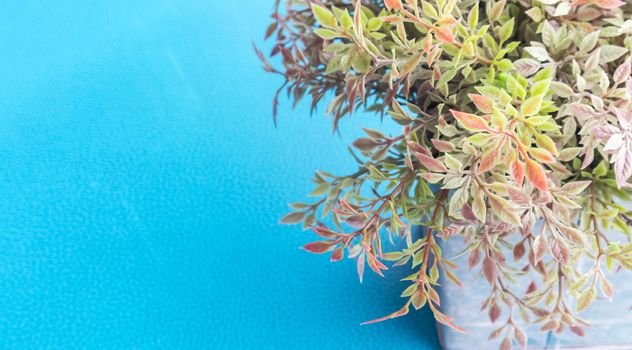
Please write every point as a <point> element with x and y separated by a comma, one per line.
<point>516,136</point>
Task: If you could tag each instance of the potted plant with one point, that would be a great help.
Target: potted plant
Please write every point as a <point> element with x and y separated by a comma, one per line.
<point>514,156</point>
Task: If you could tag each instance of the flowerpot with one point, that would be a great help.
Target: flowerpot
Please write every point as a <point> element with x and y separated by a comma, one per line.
<point>611,320</point>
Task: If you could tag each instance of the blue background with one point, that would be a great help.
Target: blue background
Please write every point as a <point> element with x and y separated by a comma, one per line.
<point>142,181</point>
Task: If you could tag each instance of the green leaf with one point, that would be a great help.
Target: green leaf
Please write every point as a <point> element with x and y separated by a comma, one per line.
<point>545,73</point>
<point>586,298</point>
<point>410,64</point>
<point>548,34</point>
<point>429,10</point>
<point>325,33</point>
<point>472,17</point>
<point>505,65</point>
<point>531,106</point>
<point>453,163</point>
<point>506,30</point>
<point>293,218</point>
<point>392,256</point>
<point>479,207</point>
<point>515,88</point>
<point>374,24</point>
<point>541,87</point>
<point>601,169</point>
<point>409,291</point>
<point>589,42</point>
<point>610,53</point>
<point>325,17</point>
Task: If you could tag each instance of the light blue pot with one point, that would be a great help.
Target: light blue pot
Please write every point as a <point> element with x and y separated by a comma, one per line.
<point>611,320</point>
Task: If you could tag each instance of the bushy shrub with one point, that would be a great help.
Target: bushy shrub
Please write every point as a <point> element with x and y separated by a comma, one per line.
<point>516,136</point>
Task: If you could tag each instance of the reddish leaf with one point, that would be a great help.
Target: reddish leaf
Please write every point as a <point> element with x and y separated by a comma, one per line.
<point>578,330</point>
<point>506,344</point>
<point>470,121</point>
<point>417,148</point>
<point>401,312</point>
<point>431,163</point>
<point>609,4</point>
<point>345,205</point>
<point>394,4</point>
<point>434,296</point>
<point>447,20</point>
<point>365,144</point>
<point>483,103</point>
<point>488,161</point>
<point>490,270</point>
<point>468,213</point>
<point>532,287</point>
<point>443,146</point>
<point>494,312</point>
<point>360,266</point>
<point>444,34</point>
<point>428,42</point>
<point>337,255</point>
<point>317,247</point>
<point>444,319</point>
<point>542,155</point>
<point>473,258</point>
<point>517,171</point>
<point>560,251</point>
<point>323,231</point>
<point>518,251</point>
<point>517,196</point>
<point>375,264</point>
<point>536,175</point>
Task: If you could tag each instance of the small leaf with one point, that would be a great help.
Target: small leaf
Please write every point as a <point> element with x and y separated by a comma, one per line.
<point>431,163</point>
<point>575,188</point>
<point>578,331</point>
<point>317,247</point>
<point>325,17</point>
<point>429,10</point>
<point>293,218</point>
<point>586,298</point>
<point>470,122</point>
<point>540,247</point>
<point>325,33</point>
<point>479,208</point>
<point>401,312</point>
<point>536,175</point>
<point>506,30</point>
<point>542,155</point>
<point>610,53</point>
<point>394,4</point>
<point>337,255</point>
<point>623,72</point>
<point>494,312</point>
<point>411,64</point>
<point>483,103</point>
<point>532,105</point>
<point>443,146</point>
<point>517,171</point>
<point>490,271</point>
<point>444,34</point>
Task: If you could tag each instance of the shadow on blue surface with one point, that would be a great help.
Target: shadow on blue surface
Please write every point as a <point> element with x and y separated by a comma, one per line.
<point>142,184</point>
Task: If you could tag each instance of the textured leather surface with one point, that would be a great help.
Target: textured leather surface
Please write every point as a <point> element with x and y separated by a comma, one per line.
<point>142,182</point>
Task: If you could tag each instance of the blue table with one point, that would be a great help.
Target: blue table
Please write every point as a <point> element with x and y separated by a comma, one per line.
<point>142,182</point>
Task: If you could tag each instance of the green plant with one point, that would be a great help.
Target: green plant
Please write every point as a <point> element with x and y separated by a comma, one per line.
<point>517,136</point>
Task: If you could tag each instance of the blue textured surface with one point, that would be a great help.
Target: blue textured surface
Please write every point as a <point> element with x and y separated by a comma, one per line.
<point>142,181</point>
